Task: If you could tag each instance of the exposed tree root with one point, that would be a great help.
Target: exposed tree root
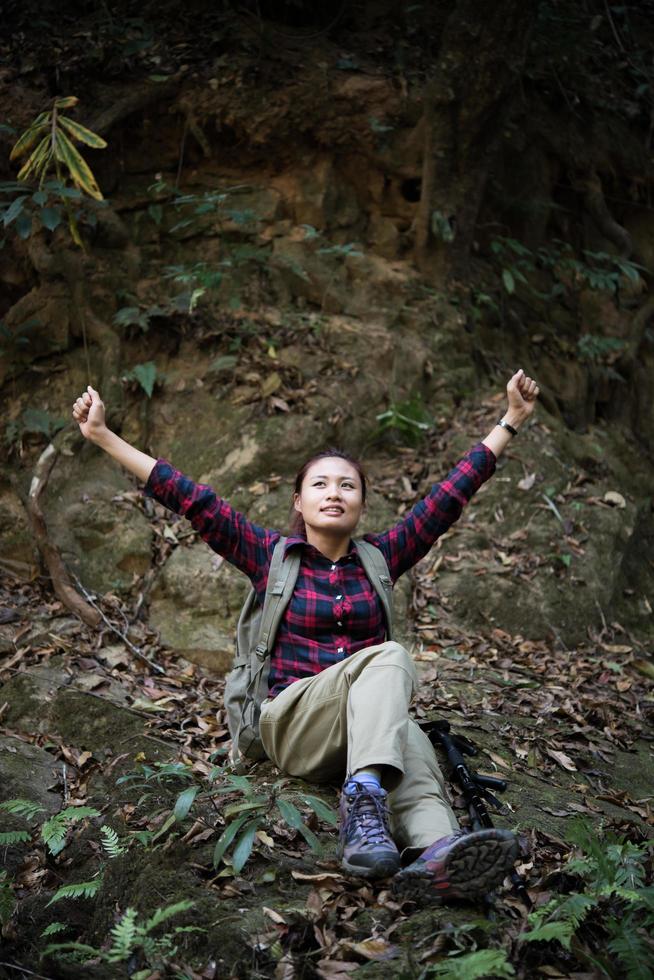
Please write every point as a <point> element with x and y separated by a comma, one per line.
<point>61,582</point>
<point>599,211</point>
<point>137,99</point>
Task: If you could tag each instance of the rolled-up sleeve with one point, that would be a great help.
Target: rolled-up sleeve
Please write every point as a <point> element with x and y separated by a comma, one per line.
<point>410,539</point>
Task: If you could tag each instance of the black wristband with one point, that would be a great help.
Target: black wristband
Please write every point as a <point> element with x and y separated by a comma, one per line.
<point>509,428</point>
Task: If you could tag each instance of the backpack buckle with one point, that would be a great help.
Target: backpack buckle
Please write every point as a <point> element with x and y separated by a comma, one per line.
<point>260,651</point>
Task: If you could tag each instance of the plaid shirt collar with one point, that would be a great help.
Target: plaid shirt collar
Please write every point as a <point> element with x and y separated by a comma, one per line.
<point>297,540</point>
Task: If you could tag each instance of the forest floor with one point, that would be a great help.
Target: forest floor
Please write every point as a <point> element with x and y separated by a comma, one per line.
<point>108,720</point>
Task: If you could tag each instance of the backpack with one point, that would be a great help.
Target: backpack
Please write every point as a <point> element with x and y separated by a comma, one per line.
<point>246,686</point>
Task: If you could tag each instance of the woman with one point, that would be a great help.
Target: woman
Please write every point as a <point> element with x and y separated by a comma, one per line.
<point>338,692</point>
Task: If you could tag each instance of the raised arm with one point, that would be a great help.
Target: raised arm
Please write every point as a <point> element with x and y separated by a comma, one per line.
<point>522,393</point>
<point>88,412</point>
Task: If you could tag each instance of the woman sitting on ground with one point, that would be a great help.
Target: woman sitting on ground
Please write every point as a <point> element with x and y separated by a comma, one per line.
<point>339,693</point>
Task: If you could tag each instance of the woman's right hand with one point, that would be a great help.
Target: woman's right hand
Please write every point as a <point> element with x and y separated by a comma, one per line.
<point>88,412</point>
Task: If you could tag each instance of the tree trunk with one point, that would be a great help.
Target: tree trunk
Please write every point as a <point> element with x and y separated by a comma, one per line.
<point>481,57</point>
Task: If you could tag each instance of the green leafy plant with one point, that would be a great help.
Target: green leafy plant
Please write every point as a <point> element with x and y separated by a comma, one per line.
<point>474,966</point>
<point>253,810</point>
<point>32,421</point>
<point>130,937</point>
<point>50,141</point>
<point>54,831</point>
<point>616,900</point>
<point>111,842</point>
<point>408,419</point>
<point>596,270</point>
<point>146,376</point>
<point>79,889</point>
<point>595,349</point>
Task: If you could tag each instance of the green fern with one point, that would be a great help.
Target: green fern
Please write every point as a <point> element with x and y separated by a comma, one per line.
<point>163,914</point>
<point>54,928</point>
<point>125,936</point>
<point>474,966</point>
<point>15,837</point>
<point>111,842</point>
<point>634,951</point>
<point>54,830</point>
<point>25,808</point>
<point>81,889</point>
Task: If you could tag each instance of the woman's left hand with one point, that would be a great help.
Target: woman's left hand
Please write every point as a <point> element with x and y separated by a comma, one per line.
<point>522,392</point>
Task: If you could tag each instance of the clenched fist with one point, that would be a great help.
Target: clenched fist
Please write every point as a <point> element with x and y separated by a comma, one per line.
<point>88,412</point>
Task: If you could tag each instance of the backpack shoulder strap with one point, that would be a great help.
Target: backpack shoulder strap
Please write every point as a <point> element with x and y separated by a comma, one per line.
<point>375,567</point>
<point>282,577</point>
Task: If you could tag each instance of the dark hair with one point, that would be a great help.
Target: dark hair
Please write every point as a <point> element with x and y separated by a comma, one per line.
<point>296,521</point>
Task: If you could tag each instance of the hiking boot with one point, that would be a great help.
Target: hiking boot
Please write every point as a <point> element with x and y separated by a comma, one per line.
<point>366,847</point>
<point>459,866</point>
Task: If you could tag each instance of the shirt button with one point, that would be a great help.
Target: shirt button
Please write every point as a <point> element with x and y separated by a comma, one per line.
<point>333,567</point>
<point>340,650</point>
<point>339,623</point>
<point>339,596</point>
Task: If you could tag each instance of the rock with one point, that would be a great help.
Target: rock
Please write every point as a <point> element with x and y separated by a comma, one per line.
<point>104,538</point>
<point>195,605</point>
<point>42,318</point>
<point>16,539</point>
<point>27,772</point>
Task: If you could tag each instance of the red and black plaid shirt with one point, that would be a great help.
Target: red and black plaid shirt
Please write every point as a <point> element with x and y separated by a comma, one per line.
<point>334,610</point>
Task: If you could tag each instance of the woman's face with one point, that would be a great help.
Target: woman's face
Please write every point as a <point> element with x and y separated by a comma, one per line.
<point>331,498</point>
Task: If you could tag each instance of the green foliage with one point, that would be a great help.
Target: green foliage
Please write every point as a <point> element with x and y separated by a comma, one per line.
<point>615,898</point>
<point>54,928</point>
<point>50,142</point>
<point>252,811</point>
<point>441,227</point>
<point>596,270</point>
<point>474,966</point>
<point>408,419</point>
<point>21,807</point>
<point>54,830</point>
<point>32,421</point>
<point>111,842</point>
<point>130,937</point>
<point>146,375</point>
<point>135,316</point>
<point>595,349</point>
<point>14,837</point>
<point>80,889</point>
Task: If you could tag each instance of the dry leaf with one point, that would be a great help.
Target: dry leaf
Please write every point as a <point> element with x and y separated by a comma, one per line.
<point>563,760</point>
<point>615,499</point>
<point>271,384</point>
<point>527,482</point>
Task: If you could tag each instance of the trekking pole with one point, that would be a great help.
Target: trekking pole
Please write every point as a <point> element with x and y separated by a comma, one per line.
<point>476,789</point>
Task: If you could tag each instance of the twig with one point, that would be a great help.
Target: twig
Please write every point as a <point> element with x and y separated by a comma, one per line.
<point>16,966</point>
<point>114,629</point>
<point>65,775</point>
<point>555,510</point>
<point>58,574</point>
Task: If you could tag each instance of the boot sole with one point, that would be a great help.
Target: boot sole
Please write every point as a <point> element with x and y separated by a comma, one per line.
<point>475,865</point>
<point>383,869</point>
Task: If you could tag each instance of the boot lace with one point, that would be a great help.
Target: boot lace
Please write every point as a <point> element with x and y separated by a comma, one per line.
<point>367,813</point>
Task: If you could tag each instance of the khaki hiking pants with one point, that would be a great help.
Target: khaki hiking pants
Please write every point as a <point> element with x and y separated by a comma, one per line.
<point>352,715</point>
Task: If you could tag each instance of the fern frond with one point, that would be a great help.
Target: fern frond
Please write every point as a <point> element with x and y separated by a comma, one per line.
<point>55,829</point>
<point>15,837</point>
<point>161,915</point>
<point>125,935</point>
<point>54,928</point>
<point>81,889</point>
<point>26,808</point>
<point>111,842</point>
<point>634,953</point>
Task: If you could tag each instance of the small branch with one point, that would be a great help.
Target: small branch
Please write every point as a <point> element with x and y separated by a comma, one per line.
<point>114,629</point>
<point>54,563</point>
